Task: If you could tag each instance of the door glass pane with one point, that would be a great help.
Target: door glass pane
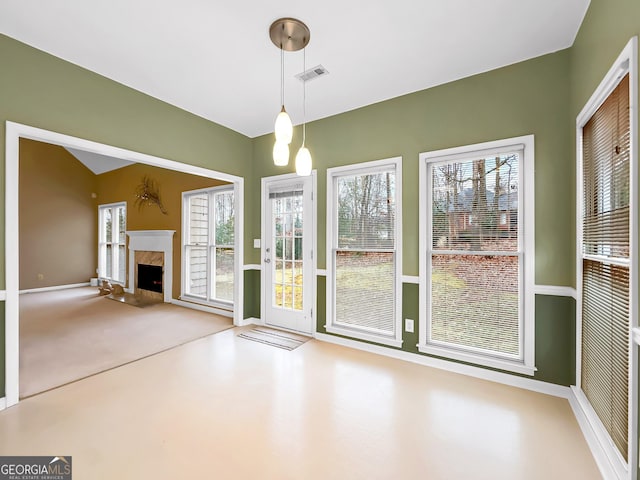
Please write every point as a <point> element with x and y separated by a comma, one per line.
<point>197,271</point>
<point>297,273</point>
<point>287,241</point>
<point>278,284</point>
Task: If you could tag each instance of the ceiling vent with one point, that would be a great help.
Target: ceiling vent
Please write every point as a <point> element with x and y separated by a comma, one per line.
<point>312,73</point>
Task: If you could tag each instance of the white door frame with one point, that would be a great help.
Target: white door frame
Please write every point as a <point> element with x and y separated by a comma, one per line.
<point>314,245</point>
<point>15,131</point>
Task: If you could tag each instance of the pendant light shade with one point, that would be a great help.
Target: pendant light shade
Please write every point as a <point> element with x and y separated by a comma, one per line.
<point>303,162</point>
<point>284,127</point>
<point>281,154</point>
<point>303,158</point>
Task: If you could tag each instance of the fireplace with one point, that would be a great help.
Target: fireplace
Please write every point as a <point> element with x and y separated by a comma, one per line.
<point>151,264</point>
<point>150,277</point>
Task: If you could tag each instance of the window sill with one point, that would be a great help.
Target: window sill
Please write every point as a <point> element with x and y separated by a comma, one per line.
<point>507,365</point>
<point>224,306</point>
<point>368,337</point>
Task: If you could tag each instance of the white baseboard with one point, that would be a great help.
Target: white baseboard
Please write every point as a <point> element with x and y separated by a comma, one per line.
<point>202,308</point>
<point>3,403</point>
<point>249,321</point>
<point>477,372</point>
<point>611,464</point>
<point>56,287</point>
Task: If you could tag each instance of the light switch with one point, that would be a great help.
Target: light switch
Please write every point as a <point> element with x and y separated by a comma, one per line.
<point>256,243</point>
<point>408,325</point>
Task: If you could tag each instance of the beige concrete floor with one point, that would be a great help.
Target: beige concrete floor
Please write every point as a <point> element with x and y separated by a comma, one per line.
<point>227,408</point>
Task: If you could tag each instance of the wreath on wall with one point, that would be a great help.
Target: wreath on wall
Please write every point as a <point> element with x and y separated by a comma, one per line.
<point>148,194</point>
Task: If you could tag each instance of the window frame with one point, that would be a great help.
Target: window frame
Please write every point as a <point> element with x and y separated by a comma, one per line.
<point>333,174</point>
<point>210,247</point>
<point>102,242</point>
<point>626,62</point>
<point>526,239</point>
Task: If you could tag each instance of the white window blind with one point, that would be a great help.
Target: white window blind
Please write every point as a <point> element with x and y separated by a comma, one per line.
<point>365,251</point>
<point>605,264</point>
<point>476,255</point>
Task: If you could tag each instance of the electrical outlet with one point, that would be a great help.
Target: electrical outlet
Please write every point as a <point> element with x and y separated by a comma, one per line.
<point>408,325</point>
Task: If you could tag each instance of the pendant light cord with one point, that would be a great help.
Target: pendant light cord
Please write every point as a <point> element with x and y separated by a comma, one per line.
<point>304,97</point>
<point>281,76</point>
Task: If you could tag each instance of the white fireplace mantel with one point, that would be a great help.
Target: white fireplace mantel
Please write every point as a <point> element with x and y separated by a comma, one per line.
<point>153,241</point>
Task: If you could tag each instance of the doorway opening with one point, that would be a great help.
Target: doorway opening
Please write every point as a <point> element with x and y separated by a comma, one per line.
<point>14,133</point>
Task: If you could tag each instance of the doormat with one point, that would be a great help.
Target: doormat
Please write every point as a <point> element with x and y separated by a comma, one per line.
<point>276,338</point>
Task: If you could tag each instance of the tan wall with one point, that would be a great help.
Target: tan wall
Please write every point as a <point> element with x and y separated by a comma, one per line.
<point>120,185</point>
<point>58,217</point>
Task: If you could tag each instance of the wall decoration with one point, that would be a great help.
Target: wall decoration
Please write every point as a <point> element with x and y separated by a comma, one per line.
<point>148,193</point>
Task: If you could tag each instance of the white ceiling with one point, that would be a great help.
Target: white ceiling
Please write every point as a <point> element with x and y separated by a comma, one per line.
<point>214,58</point>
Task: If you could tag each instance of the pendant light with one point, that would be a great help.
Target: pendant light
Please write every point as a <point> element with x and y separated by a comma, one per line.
<point>291,35</point>
<point>303,158</point>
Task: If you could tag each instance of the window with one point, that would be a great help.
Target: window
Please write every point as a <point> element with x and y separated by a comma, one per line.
<point>363,237</point>
<point>208,242</point>
<point>477,241</point>
<point>605,265</point>
<point>112,250</point>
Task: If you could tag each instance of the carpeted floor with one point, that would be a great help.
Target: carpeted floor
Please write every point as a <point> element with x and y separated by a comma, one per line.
<point>70,334</point>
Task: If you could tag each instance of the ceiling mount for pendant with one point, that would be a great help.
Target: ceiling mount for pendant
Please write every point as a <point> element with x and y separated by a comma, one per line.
<point>289,34</point>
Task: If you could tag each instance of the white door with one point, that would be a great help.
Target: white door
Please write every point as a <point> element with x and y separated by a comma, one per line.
<point>287,253</point>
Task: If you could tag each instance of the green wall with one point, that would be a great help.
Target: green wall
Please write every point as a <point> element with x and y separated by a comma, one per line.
<point>527,98</point>
<point>531,97</point>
